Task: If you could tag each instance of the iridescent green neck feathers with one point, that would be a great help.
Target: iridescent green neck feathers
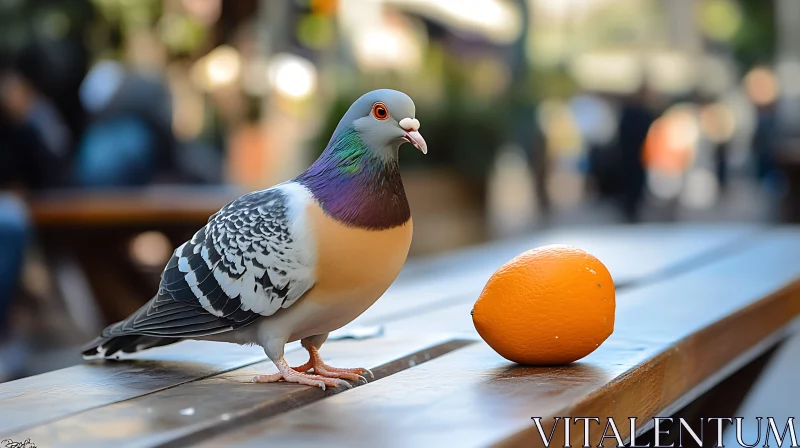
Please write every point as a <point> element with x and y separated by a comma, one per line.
<point>358,185</point>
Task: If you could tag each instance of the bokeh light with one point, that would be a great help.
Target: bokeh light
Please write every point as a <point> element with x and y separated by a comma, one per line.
<point>761,86</point>
<point>151,249</point>
<point>720,19</point>
<point>390,44</point>
<point>100,85</point>
<point>497,20</point>
<point>718,122</point>
<point>221,67</point>
<point>671,72</point>
<point>672,140</point>
<point>617,72</point>
<point>292,76</point>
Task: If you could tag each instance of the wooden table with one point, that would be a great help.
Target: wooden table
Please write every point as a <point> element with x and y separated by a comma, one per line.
<point>130,207</point>
<point>86,238</point>
<point>697,306</point>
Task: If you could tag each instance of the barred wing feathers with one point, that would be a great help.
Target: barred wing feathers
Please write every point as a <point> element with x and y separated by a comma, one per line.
<point>253,257</point>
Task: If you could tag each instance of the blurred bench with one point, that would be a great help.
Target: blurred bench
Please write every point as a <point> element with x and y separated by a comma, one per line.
<point>147,206</point>
<point>697,307</point>
<point>85,236</point>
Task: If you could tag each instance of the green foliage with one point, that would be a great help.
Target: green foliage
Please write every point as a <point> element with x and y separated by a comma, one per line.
<point>316,31</point>
<point>129,14</point>
<point>182,34</point>
<point>755,41</point>
<point>23,22</point>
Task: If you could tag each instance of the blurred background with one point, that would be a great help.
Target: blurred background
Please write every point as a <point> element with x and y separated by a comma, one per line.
<point>125,123</point>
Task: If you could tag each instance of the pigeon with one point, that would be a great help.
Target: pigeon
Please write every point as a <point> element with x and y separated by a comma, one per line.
<point>295,261</point>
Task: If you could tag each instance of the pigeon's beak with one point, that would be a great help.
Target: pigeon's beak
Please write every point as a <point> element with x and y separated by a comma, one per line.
<point>411,126</point>
<point>415,138</point>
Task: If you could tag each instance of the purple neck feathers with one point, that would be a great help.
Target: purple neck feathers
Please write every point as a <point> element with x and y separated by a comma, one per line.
<point>357,187</point>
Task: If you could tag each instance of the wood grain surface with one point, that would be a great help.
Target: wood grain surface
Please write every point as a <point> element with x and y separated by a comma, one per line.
<point>43,398</point>
<point>193,410</point>
<point>671,338</point>
<point>685,296</point>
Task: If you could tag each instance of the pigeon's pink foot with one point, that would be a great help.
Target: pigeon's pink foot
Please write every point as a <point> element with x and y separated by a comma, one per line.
<point>320,368</point>
<point>291,375</point>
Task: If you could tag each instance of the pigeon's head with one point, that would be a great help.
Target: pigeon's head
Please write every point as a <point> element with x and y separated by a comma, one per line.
<point>384,119</point>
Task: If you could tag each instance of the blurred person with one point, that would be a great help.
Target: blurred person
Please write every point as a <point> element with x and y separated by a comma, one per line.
<point>716,122</point>
<point>36,142</point>
<point>721,156</point>
<point>14,231</point>
<point>765,140</point>
<point>115,152</point>
<point>129,140</point>
<point>597,117</point>
<point>635,121</point>
<point>764,145</point>
<point>761,86</point>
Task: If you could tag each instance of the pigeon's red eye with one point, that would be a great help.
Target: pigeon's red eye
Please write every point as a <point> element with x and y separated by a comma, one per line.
<point>380,111</point>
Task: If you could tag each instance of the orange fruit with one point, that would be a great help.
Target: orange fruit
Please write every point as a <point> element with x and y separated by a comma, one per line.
<point>550,305</point>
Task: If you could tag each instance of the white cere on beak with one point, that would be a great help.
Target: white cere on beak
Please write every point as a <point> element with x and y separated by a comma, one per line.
<point>409,124</point>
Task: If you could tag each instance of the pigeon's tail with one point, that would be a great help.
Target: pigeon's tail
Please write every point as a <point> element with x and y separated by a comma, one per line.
<point>106,347</point>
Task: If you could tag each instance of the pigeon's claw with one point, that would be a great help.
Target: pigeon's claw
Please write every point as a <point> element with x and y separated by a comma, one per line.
<point>291,375</point>
<point>347,374</point>
<point>320,368</point>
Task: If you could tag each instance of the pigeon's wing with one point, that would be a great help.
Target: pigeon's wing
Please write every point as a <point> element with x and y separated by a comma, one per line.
<point>253,257</point>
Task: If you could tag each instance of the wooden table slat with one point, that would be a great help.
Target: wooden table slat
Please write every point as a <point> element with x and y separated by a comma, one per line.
<point>127,206</point>
<point>43,398</point>
<point>189,412</point>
